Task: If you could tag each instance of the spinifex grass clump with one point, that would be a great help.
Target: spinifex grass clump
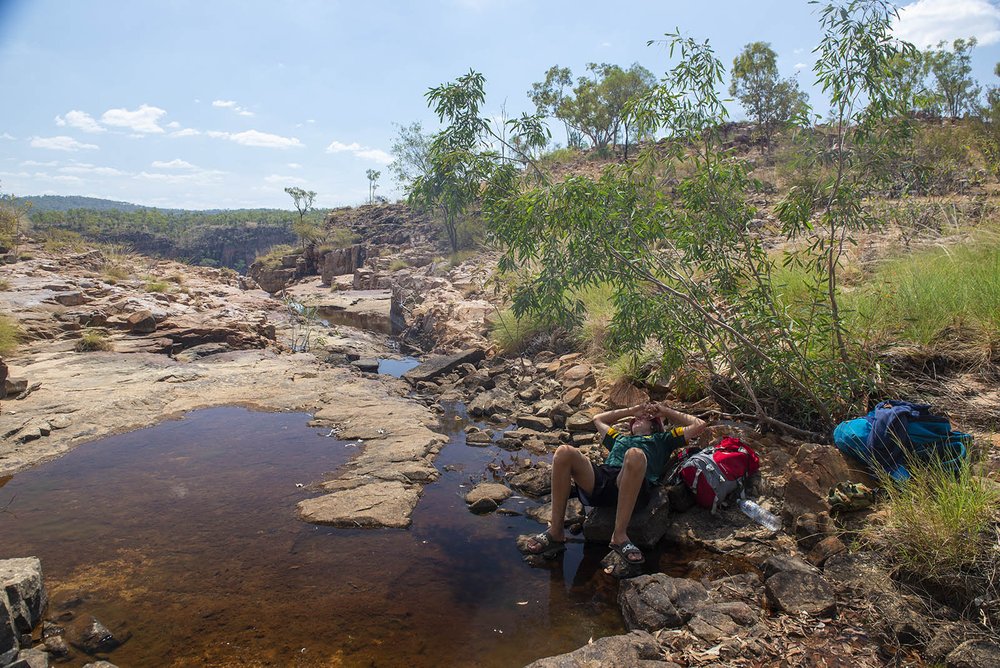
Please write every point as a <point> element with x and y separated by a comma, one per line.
<point>9,334</point>
<point>93,339</point>
<point>941,524</point>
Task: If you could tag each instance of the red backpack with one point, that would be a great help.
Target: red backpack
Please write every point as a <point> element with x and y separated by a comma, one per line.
<point>714,473</point>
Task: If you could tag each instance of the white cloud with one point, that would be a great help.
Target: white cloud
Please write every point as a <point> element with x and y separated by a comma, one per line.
<point>800,66</point>
<point>35,163</point>
<point>20,175</point>
<point>257,138</point>
<point>60,143</point>
<point>294,165</point>
<point>65,178</point>
<point>173,125</point>
<point>927,22</point>
<point>143,120</point>
<point>8,136</point>
<point>80,120</point>
<point>200,177</point>
<point>84,168</point>
<point>186,132</point>
<point>176,163</point>
<point>375,155</point>
<point>231,104</point>
<point>337,147</point>
<point>359,151</point>
<point>606,44</point>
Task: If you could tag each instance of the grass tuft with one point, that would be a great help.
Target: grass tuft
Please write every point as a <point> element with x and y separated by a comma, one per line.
<point>10,335</point>
<point>92,339</point>
<point>940,523</point>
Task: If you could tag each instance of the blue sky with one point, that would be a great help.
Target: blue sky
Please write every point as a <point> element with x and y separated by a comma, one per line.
<point>222,104</point>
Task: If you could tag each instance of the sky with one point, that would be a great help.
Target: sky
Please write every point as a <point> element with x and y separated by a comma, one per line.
<point>222,104</point>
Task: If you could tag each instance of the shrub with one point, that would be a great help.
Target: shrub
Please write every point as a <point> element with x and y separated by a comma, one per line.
<point>10,335</point>
<point>397,264</point>
<point>4,285</point>
<point>93,339</point>
<point>119,261</point>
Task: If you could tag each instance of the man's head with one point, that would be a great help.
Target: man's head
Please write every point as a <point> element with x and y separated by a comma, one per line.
<point>645,424</point>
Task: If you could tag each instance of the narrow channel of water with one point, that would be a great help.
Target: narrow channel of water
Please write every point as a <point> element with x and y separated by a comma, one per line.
<point>185,535</point>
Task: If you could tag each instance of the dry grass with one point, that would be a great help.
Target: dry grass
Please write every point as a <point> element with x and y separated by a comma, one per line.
<point>93,339</point>
<point>10,335</point>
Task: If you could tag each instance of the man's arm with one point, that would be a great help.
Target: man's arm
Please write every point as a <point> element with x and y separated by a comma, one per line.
<point>693,426</point>
<point>603,421</point>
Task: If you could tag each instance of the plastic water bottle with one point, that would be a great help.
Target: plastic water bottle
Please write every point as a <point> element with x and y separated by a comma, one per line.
<point>759,515</point>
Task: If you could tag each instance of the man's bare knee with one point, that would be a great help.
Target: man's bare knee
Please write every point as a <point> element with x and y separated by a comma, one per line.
<point>634,459</point>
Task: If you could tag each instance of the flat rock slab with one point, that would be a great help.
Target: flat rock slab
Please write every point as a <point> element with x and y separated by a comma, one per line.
<point>374,310</point>
<point>442,364</point>
<point>635,649</point>
<point>378,504</point>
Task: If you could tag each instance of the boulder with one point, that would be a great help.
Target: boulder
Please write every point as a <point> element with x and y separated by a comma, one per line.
<point>22,583</point>
<point>100,664</point>
<point>31,658</point>
<point>796,592</point>
<point>4,372</point>
<point>815,470</point>
<point>478,438</point>
<point>14,386</point>
<point>647,526</point>
<point>658,601</point>
<point>533,422</point>
<point>582,421</point>
<point>543,513</point>
<point>974,654</point>
<point>441,365</point>
<point>786,563</point>
<point>70,298</point>
<point>141,322</point>
<point>9,636</point>
<point>487,497</point>
<point>632,650</point>
<point>825,549</point>
<point>534,482</point>
<point>572,396</point>
<point>366,364</point>
<point>96,638</point>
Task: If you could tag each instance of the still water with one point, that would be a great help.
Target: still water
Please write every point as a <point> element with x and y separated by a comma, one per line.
<point>184,535</point>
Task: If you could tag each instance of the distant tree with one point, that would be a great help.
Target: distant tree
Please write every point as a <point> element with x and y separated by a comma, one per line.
<point>12,215</point>
<point>548,96</point>
<point>373,176</point>
<point>597,109</point>
<point>907,74</point>
<point>410,150</point>
<point>957,91</point>
<point>770,102</point>
<point>303,200</point>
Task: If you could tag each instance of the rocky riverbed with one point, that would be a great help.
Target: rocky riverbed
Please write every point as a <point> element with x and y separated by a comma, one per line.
<point>179,338</point>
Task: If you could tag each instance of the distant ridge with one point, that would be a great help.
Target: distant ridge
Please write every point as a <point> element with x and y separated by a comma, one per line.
<point>67,202</point>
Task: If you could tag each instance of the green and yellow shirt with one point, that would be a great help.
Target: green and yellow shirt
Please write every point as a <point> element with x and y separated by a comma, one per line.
<point>657,448</point>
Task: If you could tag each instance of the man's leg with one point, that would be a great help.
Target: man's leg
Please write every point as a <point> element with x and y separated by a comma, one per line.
<point>629,485</point>
<point>568,465</point>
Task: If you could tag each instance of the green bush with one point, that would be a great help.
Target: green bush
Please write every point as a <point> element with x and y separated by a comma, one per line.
<point>398,264</point>
<point>10,335</point>
<point>153,285</point>
<point>272,258</point>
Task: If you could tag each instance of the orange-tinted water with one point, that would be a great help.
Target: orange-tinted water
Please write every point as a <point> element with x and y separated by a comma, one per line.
<point>185,536</point>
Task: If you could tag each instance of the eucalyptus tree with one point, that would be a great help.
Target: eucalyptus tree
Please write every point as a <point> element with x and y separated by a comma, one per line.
<point>373,177</point>
<point>687,268</point>
<point>303,201</point>
<point>769,101</point>
<point>957,91</point>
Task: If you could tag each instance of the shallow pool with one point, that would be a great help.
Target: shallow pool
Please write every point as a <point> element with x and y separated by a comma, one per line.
<point>185,535</point>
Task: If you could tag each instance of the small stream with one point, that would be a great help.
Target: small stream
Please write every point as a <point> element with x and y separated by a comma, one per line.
<point>184,535</point>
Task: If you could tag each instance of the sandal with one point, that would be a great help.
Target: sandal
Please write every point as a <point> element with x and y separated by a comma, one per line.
<point>629,553</point>
<point>543,545</point>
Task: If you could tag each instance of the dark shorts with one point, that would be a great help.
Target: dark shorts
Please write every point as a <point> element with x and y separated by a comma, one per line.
<point>605,492</point>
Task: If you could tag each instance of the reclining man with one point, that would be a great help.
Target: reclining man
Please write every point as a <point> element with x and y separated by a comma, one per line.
<point>625,480</point>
